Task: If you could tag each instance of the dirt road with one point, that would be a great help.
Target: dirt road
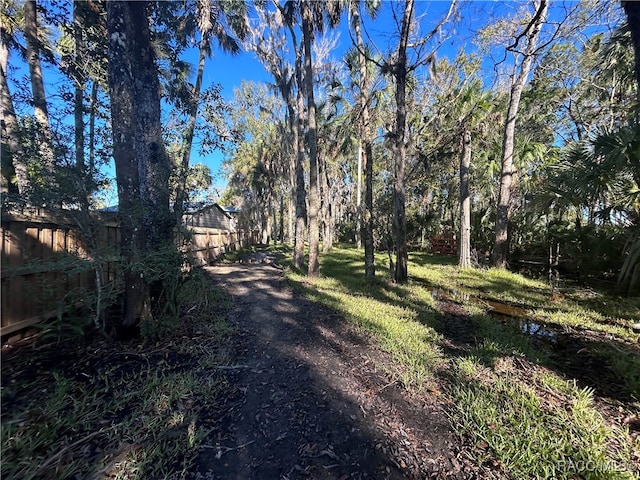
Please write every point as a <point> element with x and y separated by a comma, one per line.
<point>311,399</point>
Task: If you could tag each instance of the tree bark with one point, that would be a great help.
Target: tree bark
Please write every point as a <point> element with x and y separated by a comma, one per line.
<point>281,224</point>
<point>399,214</point>
<point>265,223</point>
<point>80,79</point>
<point>465,202</point>
<point>93,110</point>
<point>41,114</point>
<point>11,132</point>
<point>327,207</point>
<point>293,161</point>
<point>301,205</point>
<point>366,217</point>
<point>314,200</point>
<point>503,214</point>
<point>142,165</point>
<point>189,132</point>
<point>369,247</point>
<point>359,200</point>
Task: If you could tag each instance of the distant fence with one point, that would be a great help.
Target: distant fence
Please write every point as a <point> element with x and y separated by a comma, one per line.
<point>444,245</point>
<point>45,259</point>
<point>207,244</point>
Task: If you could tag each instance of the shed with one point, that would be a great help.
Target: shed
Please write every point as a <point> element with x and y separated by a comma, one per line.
<point>210,216</point>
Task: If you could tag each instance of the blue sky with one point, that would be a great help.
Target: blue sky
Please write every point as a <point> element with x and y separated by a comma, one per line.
<point>230,71</point>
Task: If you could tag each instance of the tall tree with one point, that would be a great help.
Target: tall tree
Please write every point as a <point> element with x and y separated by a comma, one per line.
<point>41,113</point>
<point>313,15</point>
<point>11,132</point>
<point>365,149</point>
<point>142,164</point>
<point>400,67</point>
<point>80,78</point>
<point>301,193</point>
<point>219,20</point>
<point>285,83</point>
<point>464,242</point>
<point>527,52</point>
<point>308,22</point>
<point>400,71</point>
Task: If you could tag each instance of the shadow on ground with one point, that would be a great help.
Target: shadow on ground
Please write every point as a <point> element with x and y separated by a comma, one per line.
<point>309,401</point>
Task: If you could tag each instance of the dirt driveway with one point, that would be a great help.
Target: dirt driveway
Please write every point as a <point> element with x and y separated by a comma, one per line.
<point>311,399</point>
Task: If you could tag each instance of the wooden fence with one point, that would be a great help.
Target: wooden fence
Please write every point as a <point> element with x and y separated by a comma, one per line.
<point>444,245</point>
<point>47,266</point>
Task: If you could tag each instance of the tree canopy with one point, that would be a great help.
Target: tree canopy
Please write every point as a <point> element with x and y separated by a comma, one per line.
<point>517,134</point>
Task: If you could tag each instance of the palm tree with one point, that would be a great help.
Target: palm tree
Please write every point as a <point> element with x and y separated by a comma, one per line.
<point>313,15</point>
<point>217,20</point>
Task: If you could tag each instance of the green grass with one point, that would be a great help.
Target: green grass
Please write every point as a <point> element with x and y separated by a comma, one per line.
<point>122,411</point>
<point>385,310</point>
<point>510,421</point>
<point>499,386</point>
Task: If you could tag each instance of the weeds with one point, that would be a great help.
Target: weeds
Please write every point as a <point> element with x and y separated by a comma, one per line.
<point>521,417</point>
<point>116,410</point>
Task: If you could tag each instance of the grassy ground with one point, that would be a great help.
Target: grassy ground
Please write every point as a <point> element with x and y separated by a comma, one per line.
<point>99,409</point>
<point>556,403</point>
<point>555,396</point>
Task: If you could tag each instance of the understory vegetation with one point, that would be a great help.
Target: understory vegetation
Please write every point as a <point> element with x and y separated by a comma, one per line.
<point>510,132</point>
<point>553,394</point>
<point>77,408</point>
<point>538,381</point>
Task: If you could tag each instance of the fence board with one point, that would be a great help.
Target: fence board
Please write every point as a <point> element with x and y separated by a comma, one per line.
<point>444,245</point>
<point>36,278</point>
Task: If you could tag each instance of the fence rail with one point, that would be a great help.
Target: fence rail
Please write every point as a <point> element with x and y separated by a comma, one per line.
<point>45,259</point>
<point>444,245</point>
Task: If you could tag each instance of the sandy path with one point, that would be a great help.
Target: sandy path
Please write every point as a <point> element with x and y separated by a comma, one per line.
<point>310,400</point>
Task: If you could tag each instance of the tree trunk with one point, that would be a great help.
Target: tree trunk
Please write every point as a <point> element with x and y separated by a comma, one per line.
<point>187,139</point>
<point>265,223</point>
<point>142,165</point>
<point>301,203</point>
<point>465,202</point>
<point>399,215</point>
<point>281,225</point>
<point>359,200</point>
<point>11,132</point>
<point>293,162</point>
<point>41,114</point>
<point>369,259</point>
<point>367,159</point>
<point>78,113</point>
<point>122,93</point>
<point>503,214</point>
<point>314,200</point>
<point>274,222</point>
<point>79,86</point>
<point>328,216</point>
<point>93,110</point>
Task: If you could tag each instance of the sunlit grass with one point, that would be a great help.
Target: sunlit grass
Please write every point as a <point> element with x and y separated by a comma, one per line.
<point>525,419</point>
<point>532,438</point>
<point>383,313</point>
